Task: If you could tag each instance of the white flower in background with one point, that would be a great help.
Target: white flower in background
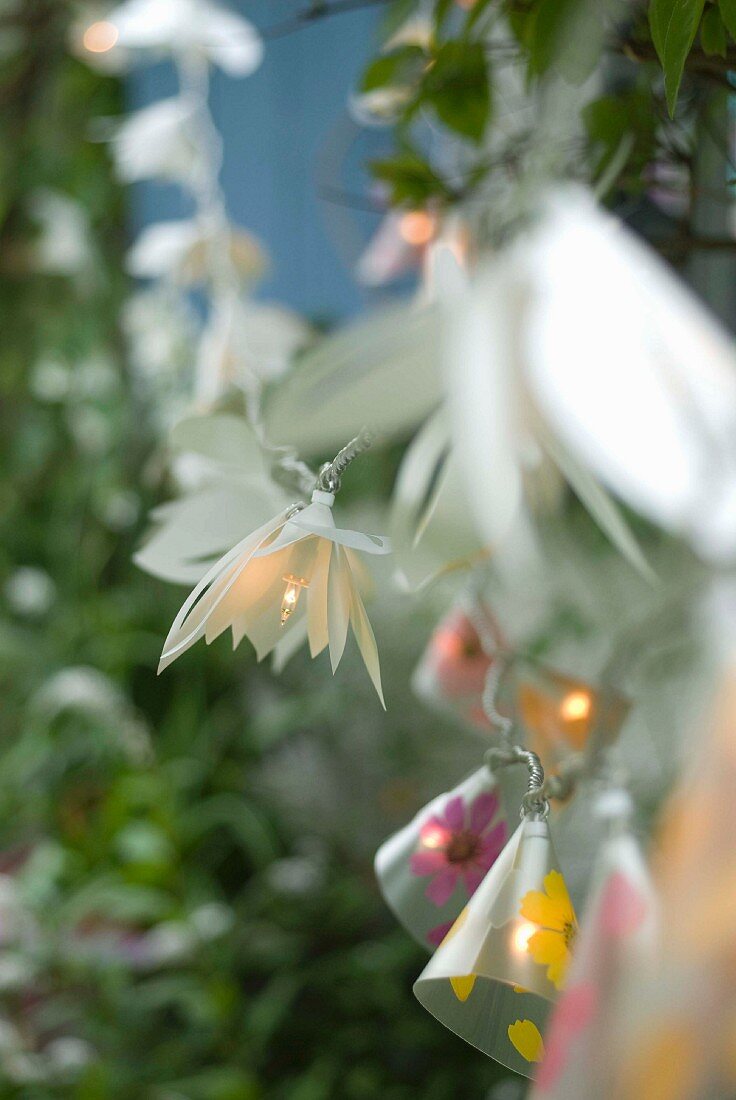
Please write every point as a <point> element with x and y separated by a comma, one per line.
<point>157,143</point>
<point>63,245</point>
<point>30,591</point>
<point>255,589</point>
<point>180,250</point>
<point>160,329</point>
<point>177,26</point>
<point>579,344</point>
<point>246,342</point>
<point>231,493</point>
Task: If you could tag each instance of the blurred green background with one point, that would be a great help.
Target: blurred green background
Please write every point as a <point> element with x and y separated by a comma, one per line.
<point>187,906</point>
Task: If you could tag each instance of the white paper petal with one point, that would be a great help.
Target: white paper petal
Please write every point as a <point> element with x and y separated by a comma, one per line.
<point>317,597</point>
<point>225,37</point>
<point>338,605</point>
<point>344,381</point>
<point>366,640</point>
<point>221,437</point>
<point>191,621</point>
<point>189,532</point>
<point>601,507</point>
<point>480,364</point>
<point>285,649</point>
<point>634,373</point>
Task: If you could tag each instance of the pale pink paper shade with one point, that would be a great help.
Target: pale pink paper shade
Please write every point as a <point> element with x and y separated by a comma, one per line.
<point>616,941</point>
<point>430,868</point>
<point>490,981</point>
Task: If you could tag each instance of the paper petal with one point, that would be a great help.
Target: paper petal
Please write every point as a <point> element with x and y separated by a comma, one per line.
<point>190,623</point>
<point>339,604</point>
<point>365,638</point>
<point>317,604</point>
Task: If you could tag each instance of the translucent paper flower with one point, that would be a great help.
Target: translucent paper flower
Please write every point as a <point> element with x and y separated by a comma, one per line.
<point>156,143</point>
<point>579,347</point>
<point>459,844</point>
<point>179,250</point>
<point>553,910</point>
<point>297,574</point>
<point>222,36</point>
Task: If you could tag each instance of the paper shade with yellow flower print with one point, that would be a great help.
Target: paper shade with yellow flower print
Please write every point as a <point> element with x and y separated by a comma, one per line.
<point>483,978</point>
<point>430,868</point>
<point>296,573</point>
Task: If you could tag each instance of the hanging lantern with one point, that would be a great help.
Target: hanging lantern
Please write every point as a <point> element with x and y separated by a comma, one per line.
<point>559,712</point>
<point>617,940</point>
<point>297,573</point>
<point>502,964</point>
<point>429,870</point>
<point>453,670</point>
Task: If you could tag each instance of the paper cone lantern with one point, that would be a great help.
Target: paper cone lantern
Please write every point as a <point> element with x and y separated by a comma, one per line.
<point>453,670</point>
<point>617,939</point>
<point>559,713</point>
<point>495,975</point>
<point>429,870</point>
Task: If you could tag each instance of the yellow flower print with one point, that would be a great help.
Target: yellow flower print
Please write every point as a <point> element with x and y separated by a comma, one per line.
<point>525,1036</point>
<point>463,987</point>
<point>553,910</point>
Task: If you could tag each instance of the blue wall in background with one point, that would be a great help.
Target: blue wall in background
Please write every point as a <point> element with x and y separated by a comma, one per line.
<point>287,134</point>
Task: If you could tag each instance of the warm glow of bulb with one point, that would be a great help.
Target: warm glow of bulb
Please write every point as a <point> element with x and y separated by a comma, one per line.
<point>522,934</point>
<point>100,37</point>
<point>417,227</point>
<point>575,706</point>
<point>292,593</point>
<point>433,836</point>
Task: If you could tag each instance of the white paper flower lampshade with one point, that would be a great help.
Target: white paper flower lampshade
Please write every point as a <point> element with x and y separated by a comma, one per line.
<point>617,939</point>
<point>495,975</point>
<point>430,868</point>
<point>296,572</point>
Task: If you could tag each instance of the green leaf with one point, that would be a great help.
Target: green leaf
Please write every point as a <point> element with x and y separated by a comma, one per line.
<point>458,89</point>
<point>727,9</point>
<point>713,37</point>
<point>402,66</point>
<point>565,36</point>
<point>673,24</point>
<point>411,179</point>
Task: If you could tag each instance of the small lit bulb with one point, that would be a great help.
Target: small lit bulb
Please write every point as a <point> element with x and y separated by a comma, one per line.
<point>292,593</point>
<point>100,37</point>
<point>417,227</point>
<point>522,934</point>
<point>575,706</point>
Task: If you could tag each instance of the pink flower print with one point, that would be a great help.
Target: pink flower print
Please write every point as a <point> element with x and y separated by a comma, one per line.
<point>574,1013</point>
<point>436,935</point>
<point>623,909</point>
<point>461,843</point>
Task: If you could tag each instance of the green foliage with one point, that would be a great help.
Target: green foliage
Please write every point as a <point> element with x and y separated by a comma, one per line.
<point>674,24</point>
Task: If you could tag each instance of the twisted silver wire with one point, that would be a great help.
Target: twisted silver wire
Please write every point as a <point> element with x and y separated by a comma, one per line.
<point>330,475</point>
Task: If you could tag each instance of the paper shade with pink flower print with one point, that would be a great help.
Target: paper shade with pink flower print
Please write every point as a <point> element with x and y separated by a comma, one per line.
<point>459,845</point>
<point>429,870</point>
<point>616,939</point>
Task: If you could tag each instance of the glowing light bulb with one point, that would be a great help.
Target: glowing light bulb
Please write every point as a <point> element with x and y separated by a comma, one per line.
<point>292,593</point>
<point>433,836</point>
<point>417,227</point>
<point>575,706</point>
<point>522,934</point>
<point>100,37</point>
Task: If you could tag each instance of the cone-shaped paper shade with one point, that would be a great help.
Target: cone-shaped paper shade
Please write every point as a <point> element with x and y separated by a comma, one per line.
<point>429,869</point>
<point>560,712</point>
<point>485,981</point>
<point>617,938</point>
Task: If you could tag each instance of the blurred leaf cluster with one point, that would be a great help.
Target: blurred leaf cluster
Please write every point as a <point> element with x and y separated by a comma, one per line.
<point>169,928</point>
<point>463,69</point>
